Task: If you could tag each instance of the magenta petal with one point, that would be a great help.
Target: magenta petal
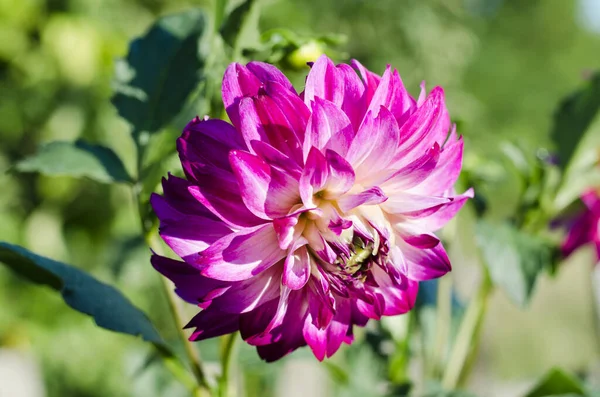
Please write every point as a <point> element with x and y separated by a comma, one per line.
<point>266,191</point>
<point>247,295</point>
<point>294,109</point>
<point>323,82</point>
<point>241,255</point>
<point>212,322</point>
<point>238,82</point>
<point>314,176</point>
<point>441,216</point>
<point>341,175</point>
<point>444,175</point>
<point>370,196</point>
<point>427,125</point>
<point>354,103</point>
<point>204,145</point>
<point>375,144</point>
<point>392,95</point>
<point>328,127</point>
<point>285,229</point>
<point>268,73</point>
<point>276,159</point>
<point>413,204</point>
<point>262,119</point>
<point>296,269</point>
<point>370,81</point>
<point>190,285</point>
<point>220,194</point>
<point>325,342</point>
<point>414,173</point>
<point>425,264</point>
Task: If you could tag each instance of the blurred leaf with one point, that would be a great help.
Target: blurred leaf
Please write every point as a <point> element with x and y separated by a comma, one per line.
<point>337,373</point>
<point>161,70</point>
<point>78,159</point>
<point>514,258</point>
<point>109,308</point>
<point>557,382</point>
<point>573,118</point>
<point>120,251</point>
<point>240,29</point>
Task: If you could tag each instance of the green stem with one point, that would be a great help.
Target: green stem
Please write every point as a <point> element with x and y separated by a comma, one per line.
<point>595,305</point>
<point>401,358</point>
<point>442,327</point>
<point>220,6</point>
<point>191,353</point>
<point>228,348</point>
<point>468,336</point>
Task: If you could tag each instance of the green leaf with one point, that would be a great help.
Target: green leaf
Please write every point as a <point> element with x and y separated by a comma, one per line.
<point>109,308</point>
<point>240,29</point>
<point>161,70</point>
<point>557,382</point>
<point>514,258</point>
<point>573,117</point>
<point>77,159</point>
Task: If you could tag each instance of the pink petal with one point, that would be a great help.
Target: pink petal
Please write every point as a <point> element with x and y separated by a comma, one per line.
<point>276,159</point>
<point>370,81</point>
<point>375,144</point>
<point>204,145</point>
<point>220,194</point>
<point>323,82</point>
<point>296,269</point>
<point>249,294</point>
<point>212,322</point>
<point>314,176</point>
<point>266,191</point>
<point>341,175</point>
<point>370,196</point>
<point>445,213</point>
<point>238,82</point>
<point>290,104</point>
<point>190,285</point>
<point>446,172</point>
<point>413,204</point>
<point>391,95</point>
<point>425,263</point>
<point>268,73</point>
<point>261,119</point>
<point>427,125</point>
<point>241,255</point>
<point>354,102</point>
<point>328,127</point>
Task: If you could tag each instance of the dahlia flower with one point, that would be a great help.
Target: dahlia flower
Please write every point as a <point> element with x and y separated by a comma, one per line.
<point>585,227</point>
<point>310,213</point>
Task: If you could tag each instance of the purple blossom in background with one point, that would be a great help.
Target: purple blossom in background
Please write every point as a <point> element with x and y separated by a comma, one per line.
<point>310,213</point>
<point>585,228</point>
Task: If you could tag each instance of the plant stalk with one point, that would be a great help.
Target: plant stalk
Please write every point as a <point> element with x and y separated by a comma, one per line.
<point>191,353</point>
<point>228,348</point>
<point>468,336</point>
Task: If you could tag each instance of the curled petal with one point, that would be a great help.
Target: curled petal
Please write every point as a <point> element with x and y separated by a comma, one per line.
<point>296,270</point>
<point>266,191</point>
<point>370,196</point>
<point>241,255</point>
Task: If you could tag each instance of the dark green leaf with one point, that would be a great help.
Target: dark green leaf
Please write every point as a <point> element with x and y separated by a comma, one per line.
<point>109,308</point>
<point>557,382</point>
<point>77,159</point>
<point>573,117</point>
<point>162,69</point>
<point>240,29</point>
<point>514,258</point>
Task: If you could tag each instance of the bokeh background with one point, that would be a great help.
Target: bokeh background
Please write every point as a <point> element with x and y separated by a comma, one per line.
<point>504,64</point>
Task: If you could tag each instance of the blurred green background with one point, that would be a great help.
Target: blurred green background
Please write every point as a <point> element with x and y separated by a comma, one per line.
<point>504,65</point>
